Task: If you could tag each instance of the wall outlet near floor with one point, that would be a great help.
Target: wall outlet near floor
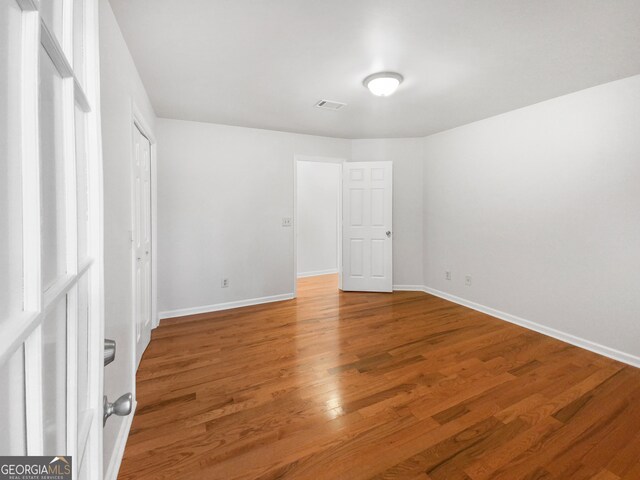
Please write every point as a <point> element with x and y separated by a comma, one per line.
<point>467,280</point>
<point>224,283</point>
<point>287,222</point>
<point>447,275</point>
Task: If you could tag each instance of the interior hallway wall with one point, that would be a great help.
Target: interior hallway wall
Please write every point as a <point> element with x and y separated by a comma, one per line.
<point>318,193</point>
<point>120,87</point>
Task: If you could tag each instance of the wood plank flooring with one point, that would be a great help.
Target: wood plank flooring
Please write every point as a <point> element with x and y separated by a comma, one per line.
<point>360,385</point>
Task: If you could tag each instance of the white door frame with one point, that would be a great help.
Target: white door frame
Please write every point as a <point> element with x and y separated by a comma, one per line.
<point>139,121</point>
<point>315,159</point>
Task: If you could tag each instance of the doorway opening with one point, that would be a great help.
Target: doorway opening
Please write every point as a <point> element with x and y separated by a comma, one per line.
<point>318,225</point>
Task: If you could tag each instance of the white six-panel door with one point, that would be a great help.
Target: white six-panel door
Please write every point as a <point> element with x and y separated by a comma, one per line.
<point>367,227</point>
<point>142,240</point>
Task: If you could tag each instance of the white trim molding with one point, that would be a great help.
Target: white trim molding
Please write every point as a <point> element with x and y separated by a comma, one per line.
<point>551,332</point>
<point>528,324</point>
<point>140,122</point>
<point>121,442</point>
<point>183,312</point>
<point>409,288</point>
<point>318,272</point>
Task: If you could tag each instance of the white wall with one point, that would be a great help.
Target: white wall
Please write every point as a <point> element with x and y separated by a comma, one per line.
<point>222,194</point>
<point>120,86</point>
<point>407,157</point>
<point>318,186</point>
<point>542,207</point>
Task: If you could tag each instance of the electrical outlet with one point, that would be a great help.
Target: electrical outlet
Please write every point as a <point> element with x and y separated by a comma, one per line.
<point>447,275</point>
<point>467,280</point>
<point>287,222</point>
<point>224,283</point>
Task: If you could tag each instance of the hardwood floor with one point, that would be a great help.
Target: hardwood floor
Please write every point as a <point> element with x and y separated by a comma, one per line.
<point>359,385</point>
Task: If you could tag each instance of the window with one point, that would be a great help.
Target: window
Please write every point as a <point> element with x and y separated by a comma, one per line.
<point>52,172</point>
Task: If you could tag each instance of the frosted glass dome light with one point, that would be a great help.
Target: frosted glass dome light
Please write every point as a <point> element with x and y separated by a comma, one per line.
<point>383,84</point>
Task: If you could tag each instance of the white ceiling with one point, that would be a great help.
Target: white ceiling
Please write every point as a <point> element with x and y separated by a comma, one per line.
<point>265,63</point>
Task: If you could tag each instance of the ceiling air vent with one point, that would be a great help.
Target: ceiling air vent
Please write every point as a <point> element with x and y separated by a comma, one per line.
<point>330,105</point>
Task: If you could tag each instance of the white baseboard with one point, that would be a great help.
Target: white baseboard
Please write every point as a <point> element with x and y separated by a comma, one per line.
<point>182,312</point>
<point>409,288</point>
<point>318,272</point>
<point>121,442</point>
<point>551,332</point>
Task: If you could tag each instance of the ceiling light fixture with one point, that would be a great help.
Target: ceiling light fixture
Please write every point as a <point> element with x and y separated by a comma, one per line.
<point>383,84</point>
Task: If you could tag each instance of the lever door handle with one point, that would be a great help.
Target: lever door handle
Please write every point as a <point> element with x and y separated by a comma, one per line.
<point>388,233</point>
<point>121,407</point>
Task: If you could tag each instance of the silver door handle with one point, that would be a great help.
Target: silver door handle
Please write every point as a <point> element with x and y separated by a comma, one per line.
<point>388,232</point>
<point>109,351</point>
<point>121,407</point>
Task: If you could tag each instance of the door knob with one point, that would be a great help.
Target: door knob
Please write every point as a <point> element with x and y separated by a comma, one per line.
<point>388,232</point>
<point>109,351</point>
<point>121,407</point>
